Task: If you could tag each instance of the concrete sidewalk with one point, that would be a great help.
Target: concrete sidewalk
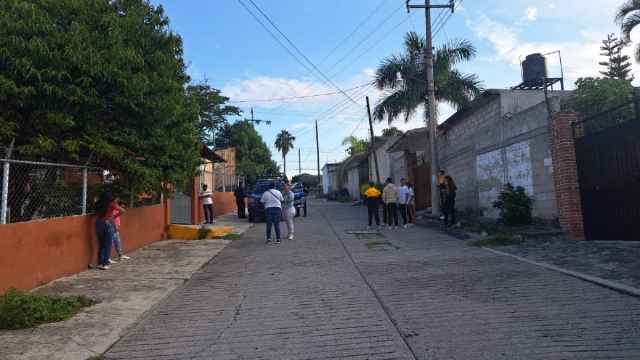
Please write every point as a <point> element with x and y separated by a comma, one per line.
<point>128,291</point>
<point>414,293</point>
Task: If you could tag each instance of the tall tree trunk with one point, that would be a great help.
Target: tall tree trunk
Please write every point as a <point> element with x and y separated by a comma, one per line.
<point>284,161</point>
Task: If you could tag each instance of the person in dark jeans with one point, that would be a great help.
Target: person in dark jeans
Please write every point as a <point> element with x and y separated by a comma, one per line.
<point>372,200</point>
<point>207,204</point>
<point>240,195</point>
<point>106,210</point>
<point>390,198</point>
<point>449,194</point>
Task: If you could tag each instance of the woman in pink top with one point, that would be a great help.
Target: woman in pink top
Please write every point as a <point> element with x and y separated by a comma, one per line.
<point>116,238</point>
<point>106,211</point>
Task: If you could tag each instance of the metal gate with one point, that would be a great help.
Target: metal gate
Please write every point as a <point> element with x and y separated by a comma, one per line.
<point>608,163</point>
<point>422,183</point>
<point>181,205</point>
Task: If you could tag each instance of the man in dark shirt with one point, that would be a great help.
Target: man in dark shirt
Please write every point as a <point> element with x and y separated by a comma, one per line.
<point>240,195</point>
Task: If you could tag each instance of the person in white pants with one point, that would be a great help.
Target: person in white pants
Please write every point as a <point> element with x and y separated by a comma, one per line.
<point>288,210</point>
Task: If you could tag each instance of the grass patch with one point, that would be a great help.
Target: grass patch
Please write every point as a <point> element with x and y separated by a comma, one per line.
<point>369,236</point>
<point>232,237</point>
<point>498,240</point>
<point>371,245</point>
<point>20,310</point>
<point>203,232</point>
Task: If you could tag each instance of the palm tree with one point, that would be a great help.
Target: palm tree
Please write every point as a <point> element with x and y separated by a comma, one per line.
<point>628,17</point>
<point>452,86</point>
<point>355,145</point>
<point>284,143</point>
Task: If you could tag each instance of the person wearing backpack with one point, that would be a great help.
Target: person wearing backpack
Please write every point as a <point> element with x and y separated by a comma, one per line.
<point>272,200</point>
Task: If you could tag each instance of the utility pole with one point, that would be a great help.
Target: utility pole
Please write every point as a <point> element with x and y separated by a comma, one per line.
<point>318,151</point>
<point>373,142</point>
<point>299,165</point>
<point>431,98</point>
<point>256,121</point>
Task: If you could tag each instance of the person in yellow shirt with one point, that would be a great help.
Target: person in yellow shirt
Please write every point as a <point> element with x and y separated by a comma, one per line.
<point>372,200</point>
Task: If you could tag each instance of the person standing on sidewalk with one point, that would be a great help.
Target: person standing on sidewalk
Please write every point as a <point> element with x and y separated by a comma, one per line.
<point>372,200</point>
<point>116,238</point>
<point>410,213</point>
<point>105,210</point>
<point>441,182</point>
<point>403,193</point>
<point>272,200</point>
<point>385,220</point>
<point>390,198</point>
<point>288,210</point>
<point>207,204</point>
<point>449,194</point>
<point>240,195</point>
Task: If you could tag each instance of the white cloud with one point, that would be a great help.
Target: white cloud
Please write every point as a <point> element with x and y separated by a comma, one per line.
<point>552,6</point>
<point>580,57</point>
<point>531,13</point>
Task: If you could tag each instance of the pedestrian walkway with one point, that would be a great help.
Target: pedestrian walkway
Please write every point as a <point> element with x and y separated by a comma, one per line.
<point>127,292</point>
<point>609,260</point>
<point>412,293</point>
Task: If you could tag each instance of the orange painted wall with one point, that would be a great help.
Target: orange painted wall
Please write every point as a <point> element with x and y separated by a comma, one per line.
<point>223,203</point>
<point>44,250</point>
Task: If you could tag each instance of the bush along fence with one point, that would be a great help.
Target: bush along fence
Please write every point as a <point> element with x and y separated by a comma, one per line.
<point>33,190</point>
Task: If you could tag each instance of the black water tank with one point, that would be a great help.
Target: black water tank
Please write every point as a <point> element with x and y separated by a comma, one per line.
<point>534,68</point>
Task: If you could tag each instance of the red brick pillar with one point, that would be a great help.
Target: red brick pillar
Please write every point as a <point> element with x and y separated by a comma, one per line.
<point>565,173</point>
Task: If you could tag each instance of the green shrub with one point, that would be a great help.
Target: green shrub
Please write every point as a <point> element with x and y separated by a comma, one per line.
<point>514,205</point>
<point>345,199</point>
<point>203,232</point>
<point>19,310</point>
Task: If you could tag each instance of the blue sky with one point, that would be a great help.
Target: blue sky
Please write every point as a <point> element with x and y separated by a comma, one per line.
<point>224,41</point>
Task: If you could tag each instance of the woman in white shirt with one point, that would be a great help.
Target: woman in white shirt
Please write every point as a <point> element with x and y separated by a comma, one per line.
<point>288,208</point>
<point>272,200</point>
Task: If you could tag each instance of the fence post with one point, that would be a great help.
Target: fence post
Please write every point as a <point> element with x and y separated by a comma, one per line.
<point>5,186</point>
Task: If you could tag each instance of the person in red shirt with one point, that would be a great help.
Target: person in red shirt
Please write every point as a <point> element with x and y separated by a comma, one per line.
<point>106,209</point>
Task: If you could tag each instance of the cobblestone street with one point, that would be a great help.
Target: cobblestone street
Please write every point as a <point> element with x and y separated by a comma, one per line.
<point>414,293</point>
<point>615,261</point>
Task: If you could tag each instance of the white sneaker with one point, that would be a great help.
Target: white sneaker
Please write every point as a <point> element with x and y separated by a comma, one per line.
<point>290,236</point>
<point>379,227</point>
<point>405,226</point>
<point>104,267</point>
<point>100,267</point>
<point>396,227</point>
<point>368,227</point>
<point>112,262</point>
<point>389,227</point>
<point>124,257</point>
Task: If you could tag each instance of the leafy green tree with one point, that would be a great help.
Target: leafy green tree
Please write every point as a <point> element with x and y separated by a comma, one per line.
<point>628,17</point>
<point>452,86</point>
<point>392,131</point>
<point>253,156</point>
<point>100,78</point>
<point>308,180</point>
<point>598,94</point>
<point>284,143</point>
<point>617,65</point>
<point>212,110</point>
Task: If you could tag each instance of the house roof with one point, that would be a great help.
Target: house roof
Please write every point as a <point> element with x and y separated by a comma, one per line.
<point>357,158</point>
<point>475,103</point>
<point>413,140</point>
<point>211,155</point>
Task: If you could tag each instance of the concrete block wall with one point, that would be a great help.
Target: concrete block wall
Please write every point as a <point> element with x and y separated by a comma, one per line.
<point>488,148</point>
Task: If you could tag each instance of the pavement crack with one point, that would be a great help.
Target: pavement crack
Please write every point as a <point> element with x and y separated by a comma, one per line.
<point>237,311</point>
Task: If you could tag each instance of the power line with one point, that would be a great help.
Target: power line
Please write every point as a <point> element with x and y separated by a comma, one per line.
<point>296,97</point>
<point>337,62</point>
<point>447,19</point>
<point>300,52</point>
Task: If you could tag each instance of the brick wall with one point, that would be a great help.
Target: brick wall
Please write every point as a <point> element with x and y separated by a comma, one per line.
<point>565,174</point>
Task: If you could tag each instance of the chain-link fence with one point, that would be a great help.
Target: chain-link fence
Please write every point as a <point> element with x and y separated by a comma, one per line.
<point>33,190</point>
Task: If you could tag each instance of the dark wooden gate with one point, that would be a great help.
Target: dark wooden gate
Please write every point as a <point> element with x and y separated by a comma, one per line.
<point>608,163</point>
<point>422,183</point>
